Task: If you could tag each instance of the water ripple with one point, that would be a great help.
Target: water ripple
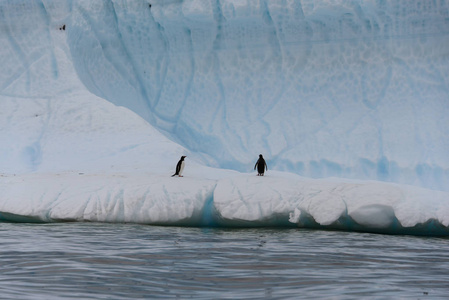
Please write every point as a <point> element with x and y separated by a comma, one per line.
<point>119,261</point>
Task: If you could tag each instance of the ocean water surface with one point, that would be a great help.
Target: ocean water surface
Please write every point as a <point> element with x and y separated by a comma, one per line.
<point>126,261</point>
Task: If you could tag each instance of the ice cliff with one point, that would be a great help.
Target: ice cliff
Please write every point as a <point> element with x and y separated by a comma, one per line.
<point>354,89</point>
<point>322,88</point>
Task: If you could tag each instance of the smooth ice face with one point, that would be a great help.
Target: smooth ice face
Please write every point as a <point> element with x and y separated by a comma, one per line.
<point>321,88</point>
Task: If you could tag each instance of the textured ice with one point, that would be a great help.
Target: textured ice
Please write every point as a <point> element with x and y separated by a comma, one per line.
<point>99,99</point>
<point>229,199</point>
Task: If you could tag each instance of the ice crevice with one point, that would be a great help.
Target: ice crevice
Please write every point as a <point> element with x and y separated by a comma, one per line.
<point>189,84</point>
<point>135,70</point>
<point>166,61</point>
<point>108,50</point>
<point>47,17</point>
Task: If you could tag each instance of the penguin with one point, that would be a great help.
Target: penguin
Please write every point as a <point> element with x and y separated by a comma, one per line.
<point>180,167</point>
<point>261,166</point>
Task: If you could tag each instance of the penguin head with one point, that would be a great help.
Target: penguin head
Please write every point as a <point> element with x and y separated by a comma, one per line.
<point>182,157</point>
<point>260,155</point>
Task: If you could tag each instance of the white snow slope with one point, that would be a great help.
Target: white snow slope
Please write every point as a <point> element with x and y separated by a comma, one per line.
<point>99,99</point>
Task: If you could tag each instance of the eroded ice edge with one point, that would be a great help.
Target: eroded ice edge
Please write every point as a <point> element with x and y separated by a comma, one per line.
<point>234,200</point>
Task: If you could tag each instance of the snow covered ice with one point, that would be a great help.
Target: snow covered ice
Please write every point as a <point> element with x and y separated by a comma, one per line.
<point>347,101</point>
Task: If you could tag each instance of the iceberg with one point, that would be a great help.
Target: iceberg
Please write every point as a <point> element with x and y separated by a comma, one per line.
<point>348,102</point>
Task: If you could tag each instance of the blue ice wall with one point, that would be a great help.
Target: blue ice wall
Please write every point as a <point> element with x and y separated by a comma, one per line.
<point>322,88</point>
<point>356,89</point>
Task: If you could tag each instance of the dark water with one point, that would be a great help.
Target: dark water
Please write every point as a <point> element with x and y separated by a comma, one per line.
<point>119,261</point>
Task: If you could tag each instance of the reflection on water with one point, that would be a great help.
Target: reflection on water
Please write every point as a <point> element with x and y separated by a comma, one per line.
<point>120,261</point>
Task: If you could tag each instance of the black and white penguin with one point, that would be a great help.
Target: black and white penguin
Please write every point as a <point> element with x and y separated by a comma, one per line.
<point>261,166</point>
<point>180,167</point>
